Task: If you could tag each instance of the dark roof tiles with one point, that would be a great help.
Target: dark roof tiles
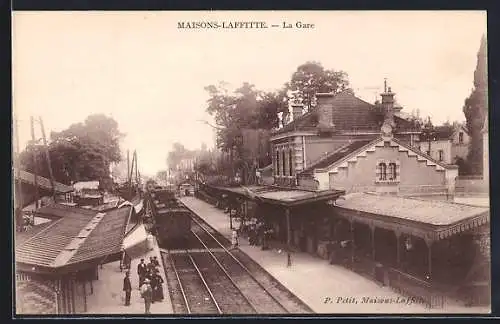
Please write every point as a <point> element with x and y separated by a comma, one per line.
<point>350,113</point>
<point>43,245</point>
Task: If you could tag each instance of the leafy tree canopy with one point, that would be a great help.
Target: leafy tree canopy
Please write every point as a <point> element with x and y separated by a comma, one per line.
<point>311,78</point>
<point>476,109</point>
<point>81,152</point>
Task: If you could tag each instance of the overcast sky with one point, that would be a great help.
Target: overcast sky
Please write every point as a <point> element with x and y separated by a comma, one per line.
<point>139,68</point>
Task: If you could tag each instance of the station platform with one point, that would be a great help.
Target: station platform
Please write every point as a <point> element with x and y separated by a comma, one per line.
<point>108,296</point>
<point>325,288</point>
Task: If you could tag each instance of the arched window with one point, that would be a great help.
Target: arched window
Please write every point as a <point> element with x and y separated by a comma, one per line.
<point>392,171</point>
<point>290,162</point>
<point>277,162</point>
<point>382,171</point>
<point>284,163</point>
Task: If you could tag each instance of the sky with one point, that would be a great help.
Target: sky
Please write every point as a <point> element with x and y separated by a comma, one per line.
<point>149,75</point>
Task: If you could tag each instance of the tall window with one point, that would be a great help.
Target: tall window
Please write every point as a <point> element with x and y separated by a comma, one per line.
<point>382,171</point>
<point>290,162</point>
<point>441,155</point>
<point>284,163</point>
<point>392,171</point>
<point>277,162</point>
<point>460,137</point>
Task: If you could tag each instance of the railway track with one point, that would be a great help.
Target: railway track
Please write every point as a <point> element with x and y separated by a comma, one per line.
<point>215,282</point>
<point>205,277</point>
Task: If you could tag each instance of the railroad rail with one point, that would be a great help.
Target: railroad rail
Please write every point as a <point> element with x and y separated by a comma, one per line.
<point>205,277</point>
<point>261,299</point>
<point>213,283</point>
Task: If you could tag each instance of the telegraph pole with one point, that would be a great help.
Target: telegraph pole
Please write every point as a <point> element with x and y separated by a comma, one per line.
<point>128,163</point>
<point>35,162</point>
<point>47,155</point>
<point>18,203</point>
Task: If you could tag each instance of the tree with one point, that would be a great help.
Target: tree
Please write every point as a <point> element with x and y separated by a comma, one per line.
<point>241,117</point>
<point>82,152</point>
<point>428,133</point>
<point>311,78</point>
<point>476,109</point>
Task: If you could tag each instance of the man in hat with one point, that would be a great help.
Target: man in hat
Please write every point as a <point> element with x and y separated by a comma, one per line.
<point>156,262</point>
<point>147,294</point>
<point>141,272</point>
<point>127,288</point>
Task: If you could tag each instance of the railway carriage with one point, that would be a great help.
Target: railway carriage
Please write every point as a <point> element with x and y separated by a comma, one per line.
<point>172,219</point>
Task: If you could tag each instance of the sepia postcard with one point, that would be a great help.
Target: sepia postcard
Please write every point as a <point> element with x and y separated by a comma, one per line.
<point>250,163</point>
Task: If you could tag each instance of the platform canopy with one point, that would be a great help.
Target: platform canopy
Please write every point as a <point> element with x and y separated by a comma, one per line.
<point>282,196</point>
<point>75,239</point>
<point>428,219</point>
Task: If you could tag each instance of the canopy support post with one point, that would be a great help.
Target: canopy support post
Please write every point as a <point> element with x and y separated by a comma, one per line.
<point>288,237</point>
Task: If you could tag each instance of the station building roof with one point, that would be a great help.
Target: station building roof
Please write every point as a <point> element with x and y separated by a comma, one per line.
<point>282,196</point>
<point>429,219</point>
<point>75,238</point>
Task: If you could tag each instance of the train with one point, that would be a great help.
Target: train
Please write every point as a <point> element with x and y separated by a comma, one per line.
<point>172,219</point>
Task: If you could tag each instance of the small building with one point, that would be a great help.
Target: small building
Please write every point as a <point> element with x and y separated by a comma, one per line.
<point>57,261</point>
<point>447,143</point>
<point>87,193</point>
<point>25,188</point>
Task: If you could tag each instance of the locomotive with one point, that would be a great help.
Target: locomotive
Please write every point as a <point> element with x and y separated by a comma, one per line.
<point>172,219</point>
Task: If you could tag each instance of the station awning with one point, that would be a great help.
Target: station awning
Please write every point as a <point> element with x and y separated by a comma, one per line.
<point>75,239</point>
<point>282,196</point>
<point>135,243</point>
<point>428,219</point>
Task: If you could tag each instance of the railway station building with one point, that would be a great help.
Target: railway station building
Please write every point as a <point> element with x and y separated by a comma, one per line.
<point>351,184</point>
<point>57,262</point>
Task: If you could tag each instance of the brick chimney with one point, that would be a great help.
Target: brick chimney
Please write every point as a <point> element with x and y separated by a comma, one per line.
<point>325,111</point>
<point>388,105</point>
<point>297,111</point>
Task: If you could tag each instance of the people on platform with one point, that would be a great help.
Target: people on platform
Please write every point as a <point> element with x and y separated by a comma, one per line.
<point>127,288</point>
<point>252,235</point>
<point>141,272</point>
<point>234,239</point>
<point>156,262</point>
<point>147,294</point>
<point>151,264</point>
<point>157,285</point>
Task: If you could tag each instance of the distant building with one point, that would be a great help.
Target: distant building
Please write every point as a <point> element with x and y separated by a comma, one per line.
<point>25,188</point>
<point>447,144</point>
<point>186,165</point>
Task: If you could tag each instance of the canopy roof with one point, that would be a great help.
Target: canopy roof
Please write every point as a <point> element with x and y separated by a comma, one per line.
<point>282,196</point>
<point>429,219</point>
<point>75,238</point>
